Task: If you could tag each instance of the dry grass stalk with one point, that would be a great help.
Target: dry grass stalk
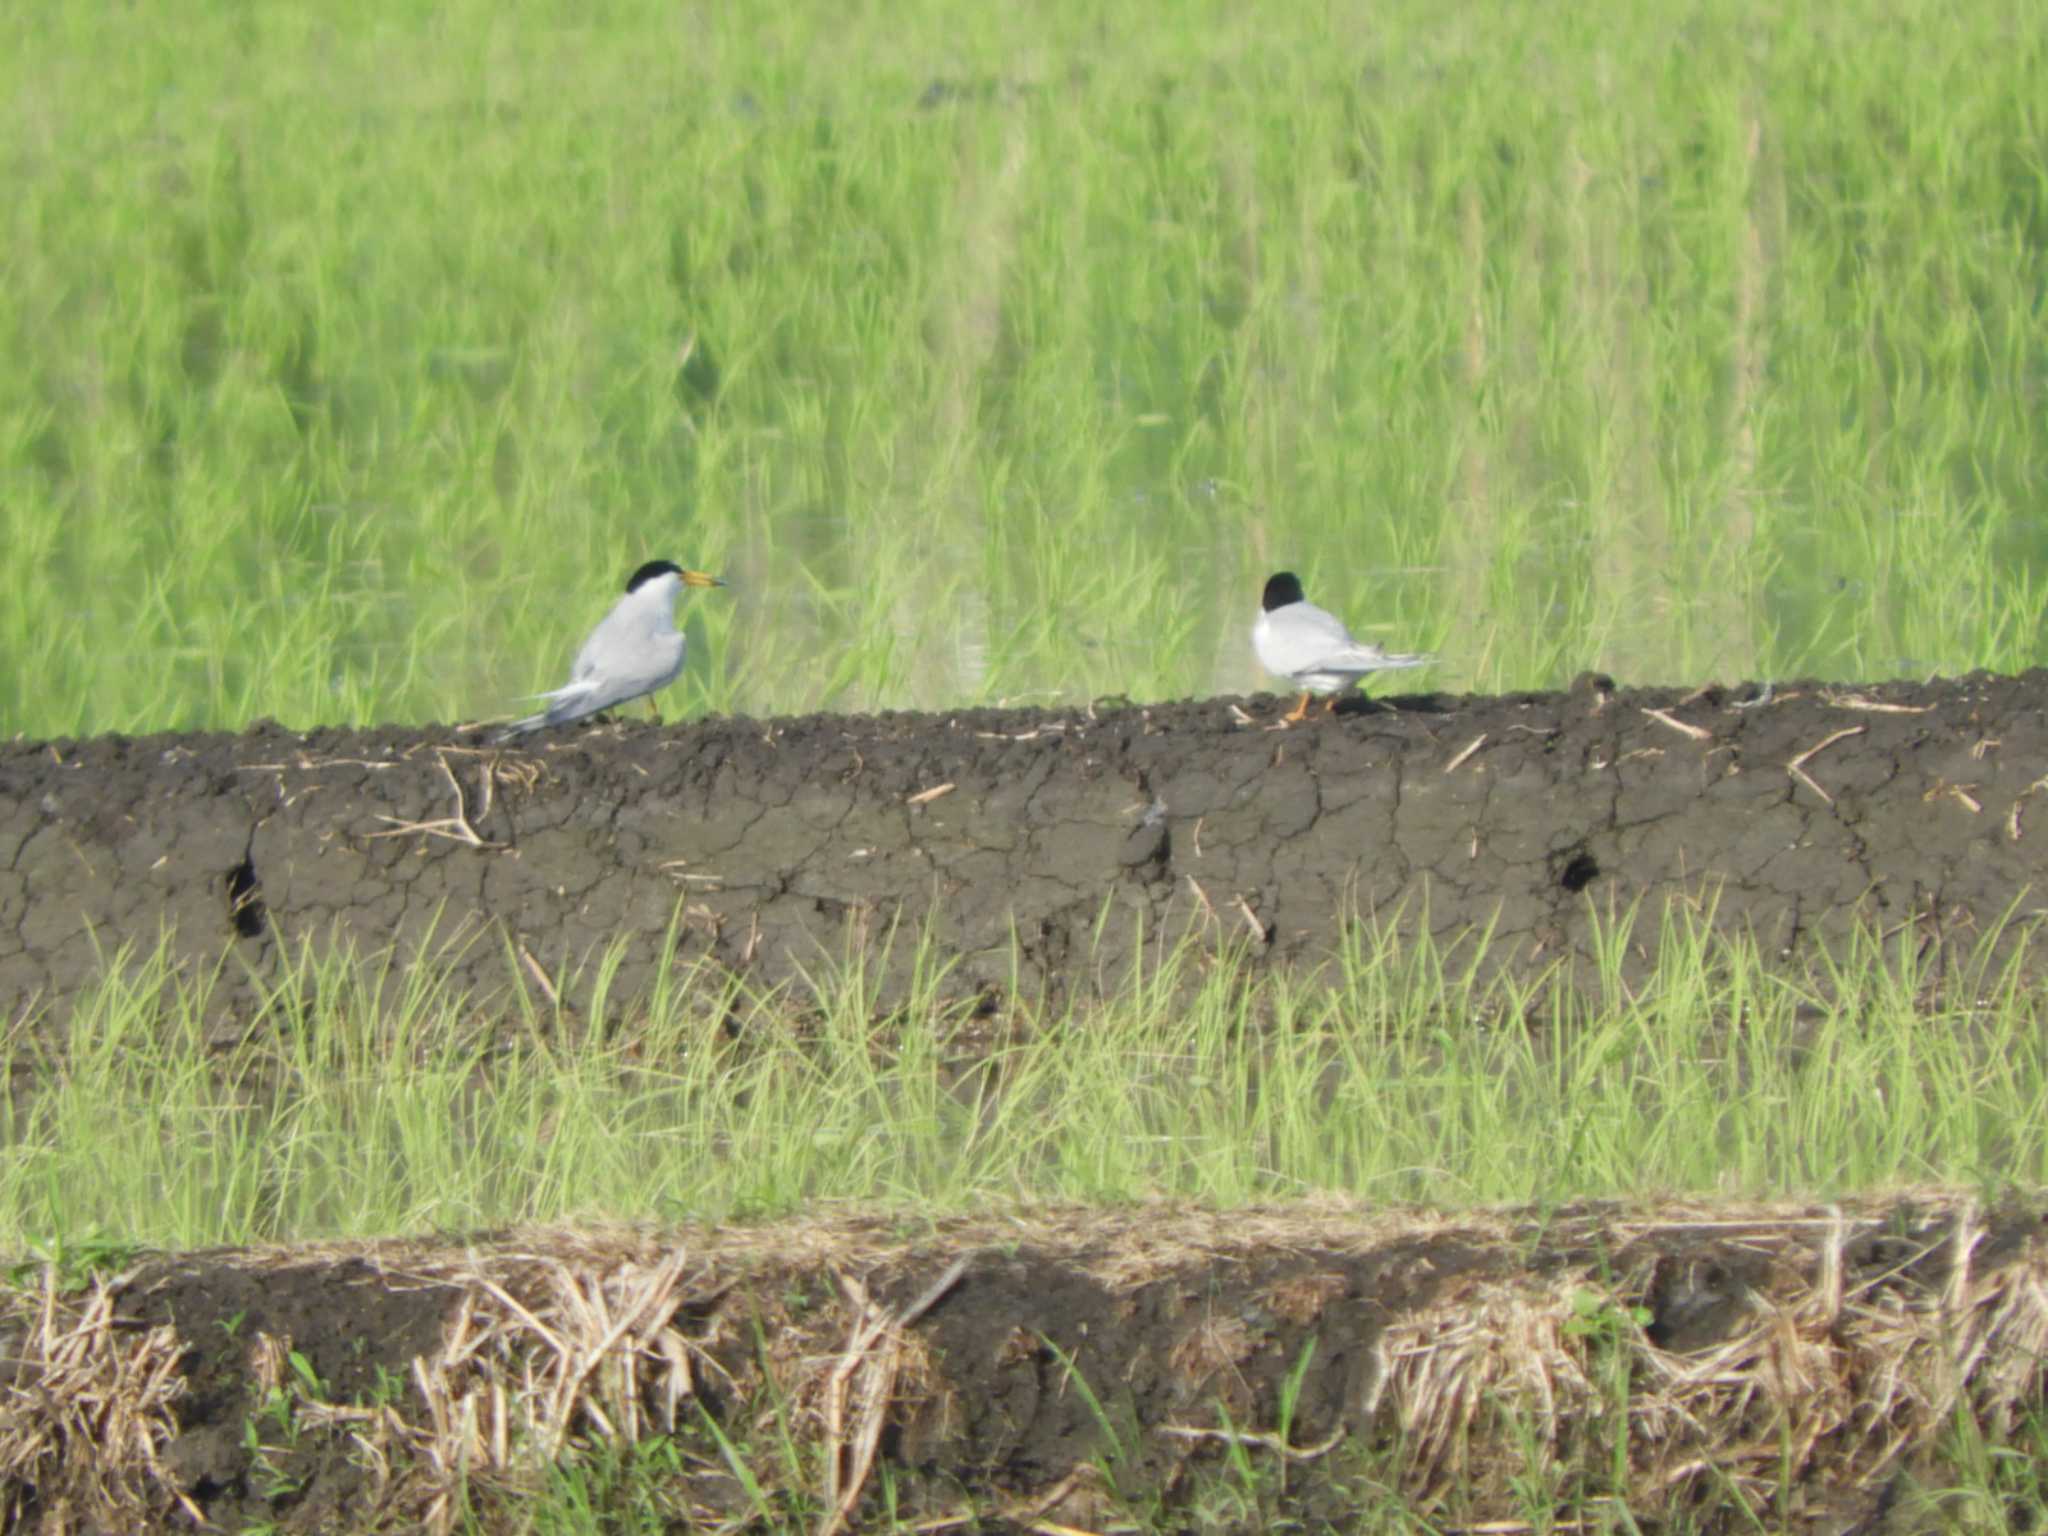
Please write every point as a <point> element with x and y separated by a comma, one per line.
<point>536,1349</point>
<point>87,1412</point>
<point>864,1376</point>
<point>1488,1346</point>
<point>1691,732</point>
<point>1858,1375</point>
<point>1260,1438</point>
<point>602,1339</point>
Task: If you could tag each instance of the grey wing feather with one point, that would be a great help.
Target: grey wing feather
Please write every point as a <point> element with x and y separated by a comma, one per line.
<point>1371,658</point>
<point>1304,640</point>
<point>594,685</point>
<point>573,701</point>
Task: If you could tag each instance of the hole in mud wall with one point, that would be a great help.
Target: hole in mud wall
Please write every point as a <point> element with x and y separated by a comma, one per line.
<point>1580,871</point>
<point>245,906</point>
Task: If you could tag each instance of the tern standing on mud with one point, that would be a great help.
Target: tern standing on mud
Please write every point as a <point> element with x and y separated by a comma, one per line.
<point>1311,648</point>
<point>635,650</point>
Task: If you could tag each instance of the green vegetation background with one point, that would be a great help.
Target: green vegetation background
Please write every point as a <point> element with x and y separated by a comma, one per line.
<point>350,356</point>
<point>353,356</point>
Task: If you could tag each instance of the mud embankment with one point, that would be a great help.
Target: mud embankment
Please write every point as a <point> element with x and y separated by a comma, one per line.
<point>1045,848</point>
<point>1724,1367</point>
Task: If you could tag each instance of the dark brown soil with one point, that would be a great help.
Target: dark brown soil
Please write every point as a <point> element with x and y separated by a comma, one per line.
<point>770,846</point>
<point>1777,1366</point>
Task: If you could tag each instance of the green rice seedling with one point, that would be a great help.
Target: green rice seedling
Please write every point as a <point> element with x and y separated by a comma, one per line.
<point>1000,356</point>
<point>356,1103</point>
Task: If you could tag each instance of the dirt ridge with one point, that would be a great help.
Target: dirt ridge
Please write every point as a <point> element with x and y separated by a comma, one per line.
<point>1045,1363</point>
<point>1051,846</point>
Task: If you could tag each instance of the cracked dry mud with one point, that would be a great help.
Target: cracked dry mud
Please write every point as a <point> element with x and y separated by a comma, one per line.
<point>1078,835</point>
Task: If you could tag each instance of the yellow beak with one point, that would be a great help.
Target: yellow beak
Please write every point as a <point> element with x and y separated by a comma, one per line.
<point>700,579</point>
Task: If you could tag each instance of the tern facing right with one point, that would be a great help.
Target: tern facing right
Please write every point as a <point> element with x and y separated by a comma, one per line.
<point>1311,648</point>
<point>635,649</point>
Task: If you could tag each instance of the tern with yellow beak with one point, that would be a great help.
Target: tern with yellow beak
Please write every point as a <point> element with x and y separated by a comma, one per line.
<point>1311,648</point>
<point>636,649</point>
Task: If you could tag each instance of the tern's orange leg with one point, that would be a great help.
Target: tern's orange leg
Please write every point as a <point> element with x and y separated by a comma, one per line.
<point>1300,710</point>
<point>1330,705</point>
<point>653,710</point>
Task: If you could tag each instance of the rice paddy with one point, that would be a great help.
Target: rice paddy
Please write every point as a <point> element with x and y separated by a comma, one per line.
<point>1001,357</point>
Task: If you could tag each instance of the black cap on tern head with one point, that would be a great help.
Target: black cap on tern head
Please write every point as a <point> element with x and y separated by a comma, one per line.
<point>1281,590</point>
<point>650,571</point>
